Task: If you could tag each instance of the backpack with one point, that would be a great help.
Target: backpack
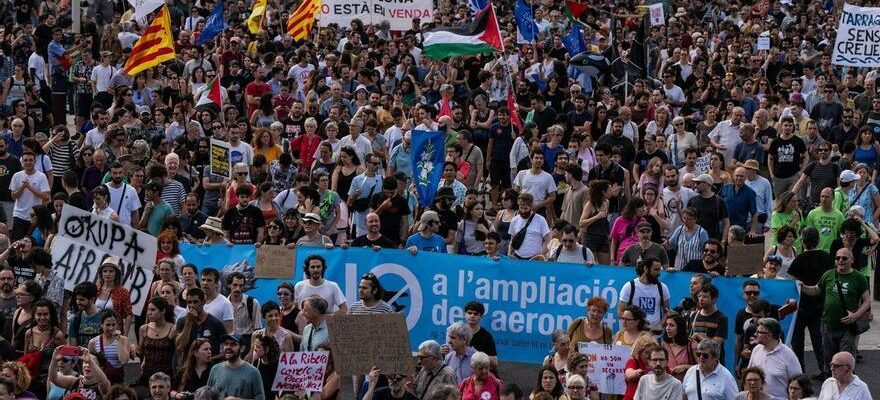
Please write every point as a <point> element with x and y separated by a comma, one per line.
<point>559,251</point>
<point>632,295</point>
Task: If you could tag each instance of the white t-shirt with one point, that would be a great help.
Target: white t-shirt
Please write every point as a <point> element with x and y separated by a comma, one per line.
<point>328,290</point>
<point>361,146</point>
<point>533,244</point>
<point>22,207</point>
<point>243,153</point>
<point>575,256</point>
<point>124,206</point>
<point>647,297</point>
<point>539,186</point>
<point>856,390</point>
<point>37,63</point>
<point>287,199</point>
<point>676,202</point>
<point>95,138</point>
<point>101,75</point>
<point>221,308</point>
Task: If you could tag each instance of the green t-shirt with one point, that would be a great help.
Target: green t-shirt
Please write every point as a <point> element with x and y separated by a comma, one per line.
<point>841,200</point>
<point>852,285</point>
<point>828,225</point>
<point>778,219</point>
<point>157,216</point>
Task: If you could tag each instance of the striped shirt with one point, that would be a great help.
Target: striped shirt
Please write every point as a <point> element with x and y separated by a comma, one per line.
<point>381,307</point>
<point>62,157</point>
<point>174,194</point>
<point>688,246</point>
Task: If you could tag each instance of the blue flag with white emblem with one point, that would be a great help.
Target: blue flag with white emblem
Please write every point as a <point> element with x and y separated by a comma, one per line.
<point>214,26</point>
<point>477,5</point>
<point>574,41</point>
<point>427,156</point>
<point>525,21</point>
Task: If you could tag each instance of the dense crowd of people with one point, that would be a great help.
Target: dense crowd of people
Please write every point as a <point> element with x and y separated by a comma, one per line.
<point>690,141</point>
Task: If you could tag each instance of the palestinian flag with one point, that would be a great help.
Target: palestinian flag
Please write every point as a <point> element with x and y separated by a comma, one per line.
<point>211,97</point>
<point>480,36</point>
<point>575,10</point>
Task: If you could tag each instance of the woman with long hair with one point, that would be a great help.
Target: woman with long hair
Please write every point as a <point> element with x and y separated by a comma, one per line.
<point>657,211</point>
<point>156,338</point>
<point>594,220</point>
<point>92,382</point>
<point>786,237</point>
<point>637,366</point>
<point>717,164</point>
<point>42,224</point>
<point>291,318</point>
<point>264,115</point>
<point>635,325</point>
<point>623,232</point>
<point>169,247</point>
<point>142,95</point>
<point>197,80</point>
<point>661,123</point>
<point>112,294</point>
<point>786,212</point>
<point>122,97</point>
<point>15,87</point>
<point>653,175</point>
<point>678,345</point>
<point>867,150</point>
<point>196,367</point>
<point>324,162</point>
<point>800,387</point>
<point>548,382</point>
<point>292,225</point>
<point>265,201</point>
<point>265,144</point>
<point>112,345</point>
<point>43,338</point>
<point>275,234</point>
<point>504,217</point>
<point>15,373</point>
<point>265,353</point>
<point>705,126</point>
<point>308,200</point>
<point>348,167</point>
<point>330,205</point>
<point>472,230</point>
<point>27,293</point>
<point>679,142</point>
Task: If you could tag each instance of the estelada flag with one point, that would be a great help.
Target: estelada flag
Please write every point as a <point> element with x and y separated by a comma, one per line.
<point>154,47</point>
<point>301,21</point>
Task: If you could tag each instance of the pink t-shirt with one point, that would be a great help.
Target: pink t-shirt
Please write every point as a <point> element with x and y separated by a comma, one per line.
<point>624,231</point>
<point>491,389</point>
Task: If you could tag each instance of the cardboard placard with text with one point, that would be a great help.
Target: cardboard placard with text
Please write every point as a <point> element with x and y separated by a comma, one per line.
<point>360,342</point>
<point>301,370</point>
<point>275,262</point>
<point>745,259</point>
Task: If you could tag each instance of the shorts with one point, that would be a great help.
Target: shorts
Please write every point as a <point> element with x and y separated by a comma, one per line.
<point>597,243</point>
<point>499,174</point>
<point>84,105</point>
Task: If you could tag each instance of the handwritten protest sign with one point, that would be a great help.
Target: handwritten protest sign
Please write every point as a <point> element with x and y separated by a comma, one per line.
<point>360,342</point>
<point>398,13</point>
<point>745,259</point>
<point>858,37</point>
<point>763,42</point>
<point>607,366</point>
<point>657,17</point>
<point>301,370</point>
<point>703,164</point>
<point>220,164</point>
<point>84,240</point>
<point>275,262</point>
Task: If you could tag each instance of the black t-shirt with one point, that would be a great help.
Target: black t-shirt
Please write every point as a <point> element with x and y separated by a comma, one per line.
<point>787,156</point>
<point>212,329</point>
<point>385,394</point>
<point>710,213</point>
<point>391,218</point>
<point>808,267</point>
<point>821,177</point>
<point>712,325</point>
<point>292,127</point>
<point>243,225</point>
<point>8,167</point>
<point>642,158</point>
<point>448,222</point>
<point>79,200</point>
<point>382,241</point>
<point>483,341</point>
<point>544,119</point>
<point>698,267</point>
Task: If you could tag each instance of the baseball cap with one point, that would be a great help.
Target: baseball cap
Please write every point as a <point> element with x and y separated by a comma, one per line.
<point>312,217</point>
<point>705,178</point>
<point>848,176</point>
<point>233,337</point>
<point>644,225</point>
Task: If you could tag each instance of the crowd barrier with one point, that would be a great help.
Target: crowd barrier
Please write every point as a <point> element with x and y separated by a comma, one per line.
<point>525,300</point>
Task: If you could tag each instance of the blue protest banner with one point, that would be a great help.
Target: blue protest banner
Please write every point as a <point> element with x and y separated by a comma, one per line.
<point>525,300</point>
<point>427,156</point>
<point>525,21</point>
<point>214,26</point>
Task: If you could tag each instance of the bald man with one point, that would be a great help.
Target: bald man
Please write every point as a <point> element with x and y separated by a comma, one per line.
<point>826,219</point>
<point>843,384</point>
<point>838,317</point>
<point>742,205</point>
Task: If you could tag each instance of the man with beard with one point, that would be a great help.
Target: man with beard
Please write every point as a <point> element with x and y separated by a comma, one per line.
<point>659,385</point>
<point>372,294</point>
<point>818,174</point>
<point>675,196</point>
<point>579,117</point>
<point>647,293</point>
<point>709,264</point>
<point>245,309</point>
<point>396,388</point>
<point>427,239</point>
<point>234,377</point>
<point>314,268</point>
<point>244,222</point>
<point>8,302</point>
<point>392,209</point>
<point>198,324</point>
<point>536,233</point>
<point>95,136</point>
<point>616,138</point>
<point>711,209</point>
<point>123,197</point>
<point>295,123</point>
<point>191,218</point>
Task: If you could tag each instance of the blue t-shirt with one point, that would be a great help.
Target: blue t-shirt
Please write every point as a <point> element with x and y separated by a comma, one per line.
<point>157,216</point>
<point>89,327</point>
<point>434,244</point>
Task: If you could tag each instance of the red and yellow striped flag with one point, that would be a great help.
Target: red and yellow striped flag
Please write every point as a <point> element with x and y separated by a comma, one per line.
<point>154,47</point>
<point>257,21</point>
<point>301,21</point>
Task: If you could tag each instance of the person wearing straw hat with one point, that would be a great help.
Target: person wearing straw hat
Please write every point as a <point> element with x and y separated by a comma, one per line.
<point>214,233</point>
<point>763,190</point>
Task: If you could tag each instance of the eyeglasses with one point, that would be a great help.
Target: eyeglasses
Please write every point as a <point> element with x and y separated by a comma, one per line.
<point>241,173</point>
<point>751,292</point>
<point>702,354</point>
<point>710,251</point>
<point>283,294</point>
<point>833,365</point>
<point>273,227</point>
<point>841,258</point>
<point>575,388</point>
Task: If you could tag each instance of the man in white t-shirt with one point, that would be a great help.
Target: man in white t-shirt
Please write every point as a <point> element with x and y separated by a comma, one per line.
<point>100,79</point>
<point>239,152</point>
<point>123,197</point>
<point>569,251</point>
<point>537,233</point>
<point>675,196</point>
<point>536,182</point>
<point>646,292</point>
<point>215,304</point>
<point>29,188</point>
<point>315,285</point>
<point>95,136</point>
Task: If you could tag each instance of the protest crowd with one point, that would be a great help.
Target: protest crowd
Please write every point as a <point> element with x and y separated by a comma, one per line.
<point>715,138</point>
